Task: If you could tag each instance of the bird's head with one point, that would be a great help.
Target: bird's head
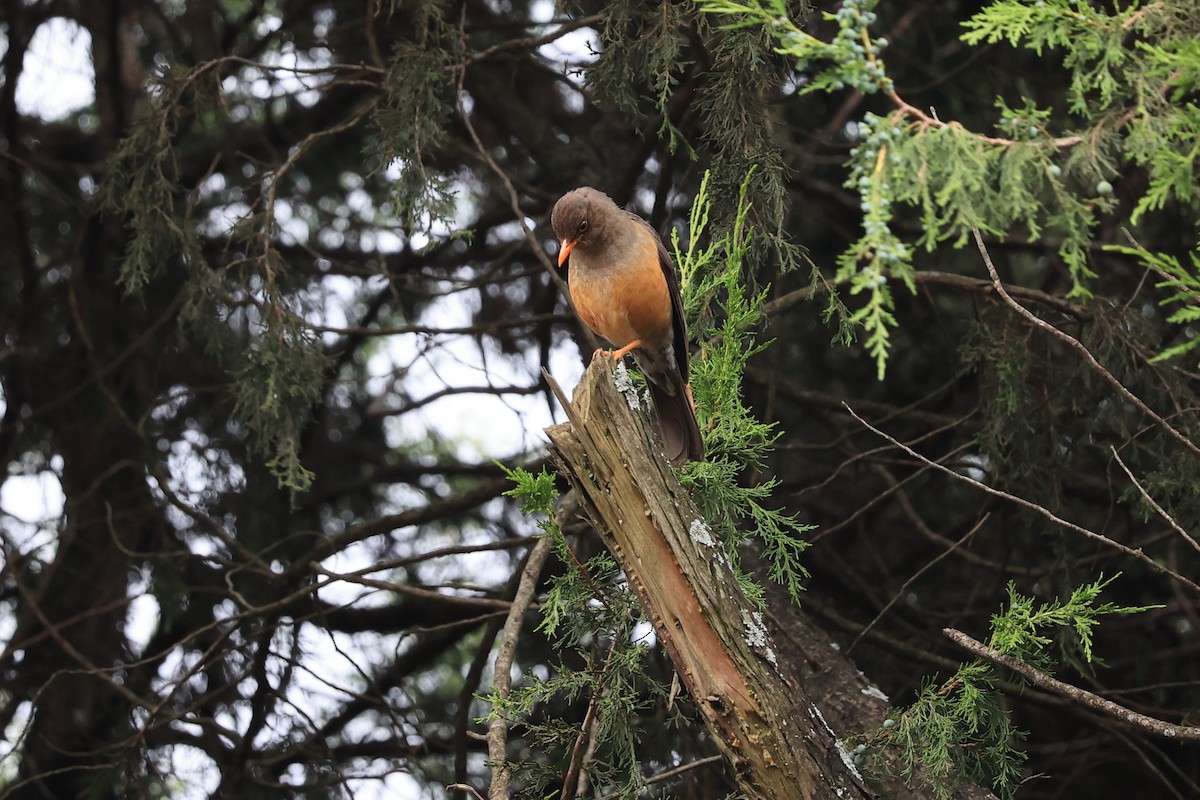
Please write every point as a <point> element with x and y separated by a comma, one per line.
<point>580,217</point>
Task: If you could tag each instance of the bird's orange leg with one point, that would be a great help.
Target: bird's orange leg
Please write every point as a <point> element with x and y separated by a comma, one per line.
<point>617,355</point>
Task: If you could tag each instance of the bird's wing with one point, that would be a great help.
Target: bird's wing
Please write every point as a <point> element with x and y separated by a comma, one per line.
<point>678,323</point>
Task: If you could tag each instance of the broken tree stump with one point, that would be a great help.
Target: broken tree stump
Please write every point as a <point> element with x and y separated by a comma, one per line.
<point>774,738</point>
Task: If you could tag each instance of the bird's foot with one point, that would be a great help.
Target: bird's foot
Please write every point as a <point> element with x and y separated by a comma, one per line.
<point>617,355</point>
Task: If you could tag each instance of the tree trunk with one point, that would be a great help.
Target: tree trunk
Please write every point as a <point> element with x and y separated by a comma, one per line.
<point>757,699</point>
<point>775,739</point>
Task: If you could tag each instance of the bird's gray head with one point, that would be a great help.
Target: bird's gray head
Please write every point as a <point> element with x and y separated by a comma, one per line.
<point>582,218</point>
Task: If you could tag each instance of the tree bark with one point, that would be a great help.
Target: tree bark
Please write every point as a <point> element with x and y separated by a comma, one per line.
<point>775,739</point>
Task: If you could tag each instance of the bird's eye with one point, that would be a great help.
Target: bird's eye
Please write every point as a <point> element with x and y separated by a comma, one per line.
<point>582,226</point>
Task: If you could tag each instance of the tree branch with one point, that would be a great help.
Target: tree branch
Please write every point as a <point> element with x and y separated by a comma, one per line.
<point>1079,347</point>
<point>773,737</point>
<point>1045,512</point>
<point>497,735</point>
<point>1082,697</point>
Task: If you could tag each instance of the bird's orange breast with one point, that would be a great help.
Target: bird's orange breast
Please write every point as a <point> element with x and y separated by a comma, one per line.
<point>627,300</point>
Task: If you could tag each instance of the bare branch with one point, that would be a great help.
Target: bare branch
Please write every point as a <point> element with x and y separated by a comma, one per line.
<point>1157,727</point>
<point>1078,346</point>
<point>497,735</point>
<point>1045,512</point>
<point>1187,537</point>
<point>903,589</point>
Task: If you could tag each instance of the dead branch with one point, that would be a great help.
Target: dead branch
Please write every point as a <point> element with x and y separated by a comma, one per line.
<point>497,735</point>
<point>1082,697</point>
<point>774,738</point>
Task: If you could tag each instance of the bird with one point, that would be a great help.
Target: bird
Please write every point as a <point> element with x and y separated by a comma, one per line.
<point>623,285</point>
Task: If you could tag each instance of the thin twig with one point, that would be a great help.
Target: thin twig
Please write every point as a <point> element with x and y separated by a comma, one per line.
<point>913,579</point>
<point>934,278</point>
<point>514,200</point>
<point>535,41</point>
<point>497,735</point>
<point>1139,745</point>
<point>666,775</point>
<point>1045,512</point>
<point>573,784</point>
<point>1078,346</point>
<point>1146,496</point>
<point>1158,727</point>
<point>87,666</point>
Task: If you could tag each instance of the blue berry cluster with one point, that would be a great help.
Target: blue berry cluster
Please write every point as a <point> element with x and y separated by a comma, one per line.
<point>858,65</point>
<point>868,177</point>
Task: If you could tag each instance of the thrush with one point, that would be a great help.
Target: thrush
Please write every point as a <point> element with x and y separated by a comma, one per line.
<point>623,285</point>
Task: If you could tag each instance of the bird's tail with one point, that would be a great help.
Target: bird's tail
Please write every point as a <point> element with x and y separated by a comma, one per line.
<point>677,421</point>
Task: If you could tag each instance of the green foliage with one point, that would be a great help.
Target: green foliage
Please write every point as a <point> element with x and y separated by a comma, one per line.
<point>613,678</point>
<point>866,264</point>
<point>569,601</point>
<point>1140,61</point>
<point>1171,159</point>
<point>718,306</point>
<point>957,732</point>
<point>1129,70</point>
<point>590,615</point>
<point>411,127</point>
<point>1018,632</point>
<point>959,181</point>
<point>536,493</point>
<point>1093,41</point>
<point>850,60</point>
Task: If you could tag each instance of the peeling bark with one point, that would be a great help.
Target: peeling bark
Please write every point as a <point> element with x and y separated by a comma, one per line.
<point>773,736</point>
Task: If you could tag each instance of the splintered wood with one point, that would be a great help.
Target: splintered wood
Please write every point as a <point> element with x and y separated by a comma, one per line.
<point>773,737</point>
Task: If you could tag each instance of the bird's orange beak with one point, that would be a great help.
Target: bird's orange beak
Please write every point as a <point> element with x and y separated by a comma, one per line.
<point>564,249</point>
